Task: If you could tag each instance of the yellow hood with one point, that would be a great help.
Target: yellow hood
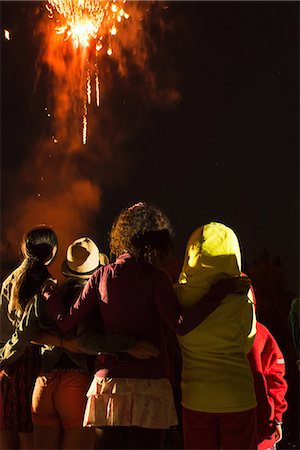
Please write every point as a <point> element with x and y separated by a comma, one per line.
<point>212,253</point>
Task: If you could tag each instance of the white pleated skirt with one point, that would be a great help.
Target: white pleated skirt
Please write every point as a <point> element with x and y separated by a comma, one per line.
<point>139,402</point>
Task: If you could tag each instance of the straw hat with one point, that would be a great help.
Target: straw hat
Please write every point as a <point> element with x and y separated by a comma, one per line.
<point>83,258</point>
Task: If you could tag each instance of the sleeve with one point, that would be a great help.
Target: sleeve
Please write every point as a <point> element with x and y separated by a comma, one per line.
<point>6,327</point>
<point>87,301</point>
<point>181,322</point>
<point>274,362</point>
<point>27,330</point>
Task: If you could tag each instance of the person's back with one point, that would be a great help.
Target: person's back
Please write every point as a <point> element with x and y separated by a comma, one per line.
<point>216,376</point>
<point>54,357</point>
<point>127,307</point>
<point>215,373</point>
<point>18,294</point>
<point>59,396</point>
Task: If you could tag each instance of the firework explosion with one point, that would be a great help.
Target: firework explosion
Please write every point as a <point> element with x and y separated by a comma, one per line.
<point>62,181</point>
<point>90,25</point>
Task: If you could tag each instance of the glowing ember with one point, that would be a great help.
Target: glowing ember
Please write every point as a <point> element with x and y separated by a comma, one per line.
<point>88,22</point>
<point>7,35</point>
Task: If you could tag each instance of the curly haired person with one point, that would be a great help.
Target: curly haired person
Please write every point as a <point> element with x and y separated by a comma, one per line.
<point>131,399</point>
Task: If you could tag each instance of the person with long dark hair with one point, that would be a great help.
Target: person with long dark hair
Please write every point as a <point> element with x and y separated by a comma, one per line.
<point>19,291</point>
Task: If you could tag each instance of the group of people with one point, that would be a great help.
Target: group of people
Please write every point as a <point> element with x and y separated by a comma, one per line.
<point>86,364</point>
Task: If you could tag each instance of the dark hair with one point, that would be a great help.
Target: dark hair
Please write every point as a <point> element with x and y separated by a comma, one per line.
<point>38,243</point>
<point>143,231</point>
<point>37,249</point>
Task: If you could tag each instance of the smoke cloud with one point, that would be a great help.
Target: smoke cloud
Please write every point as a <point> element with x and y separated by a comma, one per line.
<point>61,182</point>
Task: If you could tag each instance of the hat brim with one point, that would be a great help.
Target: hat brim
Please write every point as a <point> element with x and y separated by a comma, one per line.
<point>67,272</point>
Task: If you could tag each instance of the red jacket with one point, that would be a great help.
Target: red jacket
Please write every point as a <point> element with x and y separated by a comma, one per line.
<point>268,369</point>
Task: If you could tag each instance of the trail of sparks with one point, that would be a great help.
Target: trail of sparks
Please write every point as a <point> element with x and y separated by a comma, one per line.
<point>89,24</point>
<point>84,125</point>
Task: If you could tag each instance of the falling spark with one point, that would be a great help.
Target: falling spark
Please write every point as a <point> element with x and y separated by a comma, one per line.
<point>97,89</point>
<point>98,46</point>
<point>86,22</point>
<point>113,31</point>
<point>84,125</point>
<point>7,35</point>
<point>84,129</point>
<point>88,88</point>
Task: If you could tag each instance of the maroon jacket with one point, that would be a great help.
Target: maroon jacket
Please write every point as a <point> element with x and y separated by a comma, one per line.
<point>135,299</point>
<point>268,369</point>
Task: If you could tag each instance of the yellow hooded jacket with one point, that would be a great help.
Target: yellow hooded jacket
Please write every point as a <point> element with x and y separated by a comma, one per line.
<point>216,376</point>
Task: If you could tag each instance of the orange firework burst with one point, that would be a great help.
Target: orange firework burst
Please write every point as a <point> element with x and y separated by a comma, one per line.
<point>83,20</point>
<point>88,22</point>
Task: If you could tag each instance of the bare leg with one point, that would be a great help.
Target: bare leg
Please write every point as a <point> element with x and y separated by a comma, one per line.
<point>47,437</point>
<point>9,440</point>
<point>79,438</point>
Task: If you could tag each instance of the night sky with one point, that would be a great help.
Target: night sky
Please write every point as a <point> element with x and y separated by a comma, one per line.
<point>223,147</point>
